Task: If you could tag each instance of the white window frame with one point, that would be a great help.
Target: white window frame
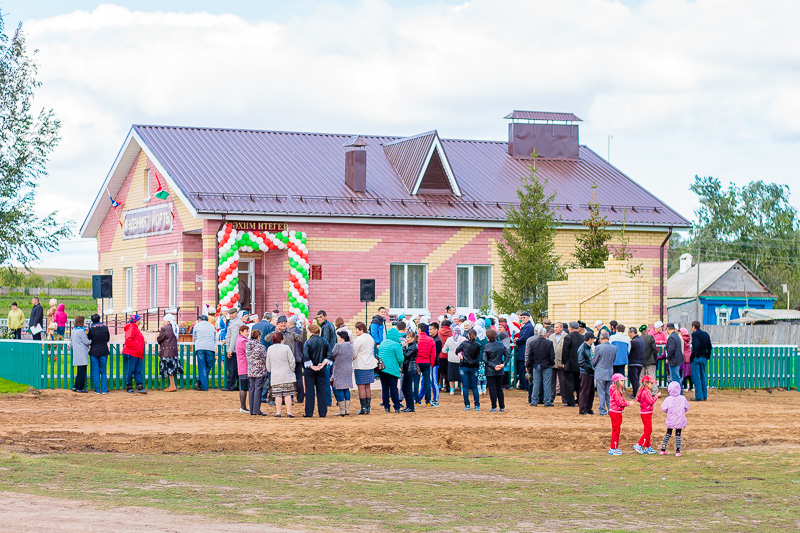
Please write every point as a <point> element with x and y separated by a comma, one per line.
<point>471,308</point>
<point>249,266</point>
<point>109,307</point>
<point>723,315</point>
<point>408,310</point>
<point>172,284</point>
<point>148,185</point>
<point>128,289</point>
<point>153,285</point>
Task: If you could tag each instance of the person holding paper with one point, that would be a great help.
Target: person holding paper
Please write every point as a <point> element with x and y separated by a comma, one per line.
<point>36,320</point>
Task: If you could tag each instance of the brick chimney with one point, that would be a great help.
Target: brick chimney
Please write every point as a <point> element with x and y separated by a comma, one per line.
<point>551,135</point>
<point>355,164</point>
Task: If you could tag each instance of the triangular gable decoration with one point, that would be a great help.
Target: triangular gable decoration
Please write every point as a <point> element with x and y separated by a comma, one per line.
<point>436,176</point>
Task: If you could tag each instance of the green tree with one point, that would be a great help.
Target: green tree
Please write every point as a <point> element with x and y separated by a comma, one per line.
<point>27,138</point>
<point>10,277</point>
<point>755,223</point>
<point>527,258</point>
<point>33,280</point>
<point>60,282</point>
<point>591,248</point>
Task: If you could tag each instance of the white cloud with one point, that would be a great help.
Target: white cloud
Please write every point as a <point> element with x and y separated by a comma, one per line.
<point>685,87</point>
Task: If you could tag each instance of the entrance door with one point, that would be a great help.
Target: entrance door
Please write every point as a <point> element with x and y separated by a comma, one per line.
<point>246,284</point>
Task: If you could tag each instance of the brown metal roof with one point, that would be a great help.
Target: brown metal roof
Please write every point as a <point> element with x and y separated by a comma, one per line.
<point>287,173</point>
<point>543,115</point>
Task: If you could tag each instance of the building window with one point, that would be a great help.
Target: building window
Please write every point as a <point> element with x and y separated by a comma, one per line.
<point>408,289</point>
<point>153,286</point>
<point>129,289</point>
<point>473,288</point>
<point>723,315</point>
<point>147,187</point>
<point>173,285</point>
<point>110,301</point>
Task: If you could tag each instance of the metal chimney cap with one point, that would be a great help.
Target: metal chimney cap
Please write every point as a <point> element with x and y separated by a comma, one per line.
<point>356,141</point>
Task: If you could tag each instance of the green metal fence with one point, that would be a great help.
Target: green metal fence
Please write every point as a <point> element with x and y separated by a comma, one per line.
<point>48,365</point>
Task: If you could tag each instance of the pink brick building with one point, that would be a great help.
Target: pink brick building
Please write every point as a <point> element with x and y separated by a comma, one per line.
<point>420,215</point>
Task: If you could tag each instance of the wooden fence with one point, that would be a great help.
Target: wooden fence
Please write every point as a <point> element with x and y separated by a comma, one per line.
<point>775,334</point>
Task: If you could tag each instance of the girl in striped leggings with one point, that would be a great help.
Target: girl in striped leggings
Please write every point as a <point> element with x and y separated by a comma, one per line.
<point>675,406</point>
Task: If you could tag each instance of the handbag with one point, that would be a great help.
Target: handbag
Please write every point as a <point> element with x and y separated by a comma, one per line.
<point>381,367</point>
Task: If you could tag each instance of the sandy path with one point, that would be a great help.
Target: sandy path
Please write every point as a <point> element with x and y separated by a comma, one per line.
<point>191,421</point>
<point>24,512</point>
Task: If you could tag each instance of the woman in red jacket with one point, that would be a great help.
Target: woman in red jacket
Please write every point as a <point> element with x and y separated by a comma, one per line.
<point>133,354</point>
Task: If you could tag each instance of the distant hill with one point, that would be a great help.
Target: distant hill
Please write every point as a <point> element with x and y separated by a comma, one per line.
<point>50,273</point>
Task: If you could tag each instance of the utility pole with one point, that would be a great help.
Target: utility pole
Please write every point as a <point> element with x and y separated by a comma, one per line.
<point>788,297</point>
<point>697,293</point>
<point>608,157</point>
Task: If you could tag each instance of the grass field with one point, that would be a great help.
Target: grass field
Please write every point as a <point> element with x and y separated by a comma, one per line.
<point>75,305</point>
<point>9,387</point>
<point>731,490</point>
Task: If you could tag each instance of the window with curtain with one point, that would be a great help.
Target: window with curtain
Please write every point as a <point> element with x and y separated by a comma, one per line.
<point>473,287</point>
<point>408,287</point>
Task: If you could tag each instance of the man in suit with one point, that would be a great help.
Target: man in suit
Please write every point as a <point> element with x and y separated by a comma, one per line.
<point>572,371</point>
<point>36,318</point>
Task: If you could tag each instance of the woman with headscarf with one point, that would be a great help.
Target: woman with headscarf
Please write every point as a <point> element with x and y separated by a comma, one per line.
<point>342,375</point>
<point>79,343</point>
<point>686,366</point>
<point>453,361</point>
<point>167,339</point>
<point>480,330</point>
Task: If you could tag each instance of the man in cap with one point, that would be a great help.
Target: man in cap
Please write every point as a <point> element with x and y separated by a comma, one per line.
<point>674,351</point>
<point>571,368</point>
<point>293,338</point>
<point>603,363</point>
<point>650,356</point>
<point>231,362</point>
<point>524,334</point>
<point>205,350</point>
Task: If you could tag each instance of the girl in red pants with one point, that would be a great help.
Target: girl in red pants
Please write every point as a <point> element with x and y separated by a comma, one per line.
<point>616,405</point>
<point>646,401</point>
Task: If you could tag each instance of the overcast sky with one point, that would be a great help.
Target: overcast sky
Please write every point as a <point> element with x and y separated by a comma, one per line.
<point>706,87</point>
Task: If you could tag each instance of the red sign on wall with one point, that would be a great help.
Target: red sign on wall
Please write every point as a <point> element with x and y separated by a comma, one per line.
<point>268,227</point>
<point>316,272</point>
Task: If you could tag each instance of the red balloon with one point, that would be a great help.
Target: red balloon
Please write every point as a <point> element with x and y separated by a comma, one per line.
<point>297,285</point>
<point>228,229</point>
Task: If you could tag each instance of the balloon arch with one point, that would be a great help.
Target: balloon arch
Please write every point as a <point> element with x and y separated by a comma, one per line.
<point>232,241</point>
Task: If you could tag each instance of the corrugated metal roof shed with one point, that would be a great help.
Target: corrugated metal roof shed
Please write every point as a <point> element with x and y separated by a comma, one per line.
<point>684,285</point>
<point>275,173</point>
<point>543,115</point>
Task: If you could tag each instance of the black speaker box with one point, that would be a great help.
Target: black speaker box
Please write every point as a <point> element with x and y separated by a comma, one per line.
<point>367,290</point>
<point>102,286</point>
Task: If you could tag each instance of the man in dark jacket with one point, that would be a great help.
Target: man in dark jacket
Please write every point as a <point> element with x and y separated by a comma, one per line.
<point>525,332</point>
<point>650,356</point>
<point>36,318</point>
<point>569,354</point>
<point>635,360</point>
<point>539,361</point>
<point>328,334</point>
<point>98,335</point>
<point>315,361</point>
<point>674,351</point>
<point>300,336</point>
<point>701,353</point>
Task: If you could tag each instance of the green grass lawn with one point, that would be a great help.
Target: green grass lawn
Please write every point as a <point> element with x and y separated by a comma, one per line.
<point>75,305</point>
<point>732,490</point>
<point>9,387</point>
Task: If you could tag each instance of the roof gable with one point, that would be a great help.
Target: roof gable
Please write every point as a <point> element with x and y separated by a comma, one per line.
<point>717,278</point>
<point>422,165</point>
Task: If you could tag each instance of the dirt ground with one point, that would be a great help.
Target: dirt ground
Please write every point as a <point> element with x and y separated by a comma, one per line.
<point>24,513</point>
<point>191,421</point>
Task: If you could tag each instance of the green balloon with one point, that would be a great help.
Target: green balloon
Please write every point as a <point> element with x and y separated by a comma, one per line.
<point>303,239</point>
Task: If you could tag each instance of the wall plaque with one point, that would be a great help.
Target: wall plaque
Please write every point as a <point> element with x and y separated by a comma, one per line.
<point>147,221</point>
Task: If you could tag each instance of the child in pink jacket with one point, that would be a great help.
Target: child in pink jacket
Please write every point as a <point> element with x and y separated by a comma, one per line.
<point>675,406</point>
<point>616,405</point>
<point>646,401</point>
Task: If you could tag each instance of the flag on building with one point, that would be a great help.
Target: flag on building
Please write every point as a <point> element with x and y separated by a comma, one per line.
<point>160,192</point>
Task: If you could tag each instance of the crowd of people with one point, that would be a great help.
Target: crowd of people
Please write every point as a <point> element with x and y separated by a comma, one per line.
<point>282,361</point>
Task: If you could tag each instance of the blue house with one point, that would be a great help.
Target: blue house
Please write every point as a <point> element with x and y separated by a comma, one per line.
<point>725,289</point>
